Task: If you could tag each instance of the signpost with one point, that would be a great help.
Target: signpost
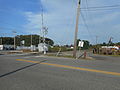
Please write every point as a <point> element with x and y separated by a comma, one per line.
<point>80,45</point>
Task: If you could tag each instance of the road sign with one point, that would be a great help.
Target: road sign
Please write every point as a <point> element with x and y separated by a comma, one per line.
<point>81,44</point>
<point>23,42</point>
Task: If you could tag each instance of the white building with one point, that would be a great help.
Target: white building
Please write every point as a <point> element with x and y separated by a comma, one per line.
<point>6,47</point>
<point>42,47</point>
<point>111,47</point>
<point>1,47</point>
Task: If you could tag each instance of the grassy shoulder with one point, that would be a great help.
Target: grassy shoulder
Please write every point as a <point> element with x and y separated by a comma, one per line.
<point>114,55</point>
<point>65,56</point>
<point>66,52</point>
<point>57,48</point>
<point>71,57</point>
<point>108,55</point>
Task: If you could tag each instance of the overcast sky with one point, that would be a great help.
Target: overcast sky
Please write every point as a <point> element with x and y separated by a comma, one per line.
<point>24,16</point>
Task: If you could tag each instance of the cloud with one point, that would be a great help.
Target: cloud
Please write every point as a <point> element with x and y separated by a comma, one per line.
<point>33,20</point>
<point>60,16</point>
<point>104,18</point>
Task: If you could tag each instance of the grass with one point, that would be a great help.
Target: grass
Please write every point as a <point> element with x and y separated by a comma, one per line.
<point>108,55</point>
<point>69,56</point>
<point>66,56</point>
<point>114,55</point>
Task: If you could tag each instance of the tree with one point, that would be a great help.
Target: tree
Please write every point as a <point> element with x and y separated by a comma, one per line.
<point>8,40</point>
<point>86,44</point>
<point>104,44</point>
<point>49,41</point>
<point>27,39</point>
<point>118,43</point>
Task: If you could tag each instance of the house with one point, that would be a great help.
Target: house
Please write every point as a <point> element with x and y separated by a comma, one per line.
<point>1,47</point>
<point>6,47</point>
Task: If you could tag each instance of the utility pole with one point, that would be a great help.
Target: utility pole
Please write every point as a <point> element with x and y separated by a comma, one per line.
<point>31,39</point>
<point>31,43</point>
<point>44,31</point>
<point>96,40</point>
<point>14,33</point>
<point>1,40</point>
<point>97,45</point>
<point>42,24</point>
<point>110,41</point>
<point>76,29</point>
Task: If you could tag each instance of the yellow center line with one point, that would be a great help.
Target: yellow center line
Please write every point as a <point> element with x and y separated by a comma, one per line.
<point>27,61</point>
<point>72,67</point>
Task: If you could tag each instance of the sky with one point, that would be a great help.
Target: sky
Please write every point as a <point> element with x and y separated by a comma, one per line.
<point>24,17</point>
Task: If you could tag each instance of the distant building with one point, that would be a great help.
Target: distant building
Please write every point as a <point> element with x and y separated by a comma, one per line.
<point>109,50</point>
<point>1,47</point>
<point>28,48</point>
<point>23,47</point>
<point>6,47</point>
<point>111,47</point>
<point>42,47</point>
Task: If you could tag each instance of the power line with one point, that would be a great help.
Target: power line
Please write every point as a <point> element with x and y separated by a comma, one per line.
<point>99,7</point>
<point>87,14</point>
<point>86,4</point>
<point>86,25</point>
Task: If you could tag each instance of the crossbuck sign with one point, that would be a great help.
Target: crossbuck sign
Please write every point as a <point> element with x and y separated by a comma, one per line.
<point>81,44</point>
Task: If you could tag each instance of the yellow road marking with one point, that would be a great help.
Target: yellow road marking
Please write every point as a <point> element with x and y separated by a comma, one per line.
<point>71,67</point>
<point>27,61</point>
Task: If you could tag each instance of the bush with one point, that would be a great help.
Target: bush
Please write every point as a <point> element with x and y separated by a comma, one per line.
<point>54,49</point>
<point>57,48</point>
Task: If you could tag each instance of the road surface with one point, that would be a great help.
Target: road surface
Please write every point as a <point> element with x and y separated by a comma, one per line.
<point>50,73</point>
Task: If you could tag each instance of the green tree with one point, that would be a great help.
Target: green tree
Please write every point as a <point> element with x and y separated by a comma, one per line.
<point>27,39</point>
<point>86,44</point>
<point>49,41</point>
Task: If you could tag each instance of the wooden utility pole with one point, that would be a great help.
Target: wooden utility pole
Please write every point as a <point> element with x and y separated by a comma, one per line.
<point>76,29</point>
<point>31,40</point>
<point>1,40</point>
<point>96,40</point>
<point>2,36</point>
<point>14,33</point>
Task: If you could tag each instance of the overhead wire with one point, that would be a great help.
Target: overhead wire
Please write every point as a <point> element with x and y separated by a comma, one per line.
<point>84,22</point>
<point>96,10</point>
<point>103,7</point>
<point>88,15</point>
<point>90,18</point>
<point>110,7</point>
<point>100,8</point>
<point>86,25</point>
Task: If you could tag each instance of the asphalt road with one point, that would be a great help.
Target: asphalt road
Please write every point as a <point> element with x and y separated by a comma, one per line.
<point>49,73</point>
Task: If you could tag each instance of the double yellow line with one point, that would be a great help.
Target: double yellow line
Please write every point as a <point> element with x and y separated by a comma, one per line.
<point>71,67</point>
